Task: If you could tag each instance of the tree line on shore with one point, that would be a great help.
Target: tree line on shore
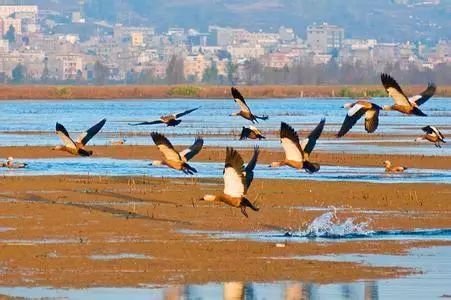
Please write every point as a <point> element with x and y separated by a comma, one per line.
<point>253,72</point>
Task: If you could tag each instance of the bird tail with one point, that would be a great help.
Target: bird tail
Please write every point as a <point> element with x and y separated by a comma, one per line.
<point>246,202</point>
<point>417,112</point>
<point>264,118</point>
<point>310,167</point>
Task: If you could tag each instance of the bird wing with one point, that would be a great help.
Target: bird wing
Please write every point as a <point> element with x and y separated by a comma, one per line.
<point>195,148</point>
<point>249,170</point>
<point>290,143</point>
<point>165,147</point>
<point>146,123</point>
<point>353,115</point>
<point>185,112</point>
<point>238,98</point>
<point>86,136</point>
<point>234,180</point>
<point>64,136</point>
<point>425,95</point>
<point>428,129</point>
<point>245,133</point>
<point>255,130</point>
<point>308,144</point>
<point>394,90</point>
<point>433,130</point>
<point>371,120</point>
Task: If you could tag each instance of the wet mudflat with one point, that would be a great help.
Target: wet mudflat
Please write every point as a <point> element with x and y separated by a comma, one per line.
<point>112,226</point>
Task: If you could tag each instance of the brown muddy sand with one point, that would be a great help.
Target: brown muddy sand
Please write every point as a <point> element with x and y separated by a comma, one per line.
<point>80,218</point>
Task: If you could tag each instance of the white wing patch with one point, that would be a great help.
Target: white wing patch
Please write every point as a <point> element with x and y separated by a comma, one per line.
<point>169,154</point>
<point>68,142</point>
<point>437,132</point>
<point>81,136</point>
<point>242,105</point>
<point>233,183</point>
<point>414,99</point>
<point>291,150</point>
<point>354,109</point>
<point>254,129</point>
<point>184,153</point>
<point>398,97</point>
<point>304,143</point>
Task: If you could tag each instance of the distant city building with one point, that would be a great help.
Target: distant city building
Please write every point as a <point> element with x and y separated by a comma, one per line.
<point>6,23</point>
<point>325,38</point>
<point>4,46</point>
<point>65,66</point>
<point>7,11</point>
<point>194,66</point>
<point>286,34</point>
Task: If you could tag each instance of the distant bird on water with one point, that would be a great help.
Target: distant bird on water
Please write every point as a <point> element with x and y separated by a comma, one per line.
<point>356,111</point>
<point>252,133</point>
<point>432,135</point>
<point>297,153</point>
<point>390,169</point>
<point>10,164</point>
<point>77,147</point>
<point>169,120</point>
<point>237,180</point>
<point>403,104</point>
<point>245,111</point>
<point>174,159</point>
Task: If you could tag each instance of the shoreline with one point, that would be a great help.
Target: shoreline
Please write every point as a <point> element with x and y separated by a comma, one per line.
<point>137,92</point>
<point>217,154</point>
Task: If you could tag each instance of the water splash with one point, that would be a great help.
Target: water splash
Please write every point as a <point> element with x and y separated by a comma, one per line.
<point>328,225</point>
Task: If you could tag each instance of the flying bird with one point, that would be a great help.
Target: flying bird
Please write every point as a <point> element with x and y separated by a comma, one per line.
<point>174,159</point>
<point>77,147</point>
<point>252,133</point>
<point>237,180</point>
<point>169,120</point>
<point>297,153</point>
<point>432,135</point>
<point>403,104</point>
<point>245,111</point>
<point>390,169</point>
<point>356,111</point>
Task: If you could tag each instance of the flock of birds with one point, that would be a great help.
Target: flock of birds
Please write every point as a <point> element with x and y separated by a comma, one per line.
<point>237,176</point>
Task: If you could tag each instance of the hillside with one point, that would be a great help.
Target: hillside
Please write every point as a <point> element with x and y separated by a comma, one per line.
<point>382,19</point>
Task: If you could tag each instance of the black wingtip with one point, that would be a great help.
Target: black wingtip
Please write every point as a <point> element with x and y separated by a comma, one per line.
<point>236,94</point>
<point>311,167</point>
<point>417,112</point>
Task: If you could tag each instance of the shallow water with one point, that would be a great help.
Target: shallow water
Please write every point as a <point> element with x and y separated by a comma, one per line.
<point>433,283</point>
<point>327,227</point>
<point>213,117</point>
<point>119,167</point>
<point>119,256</point>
